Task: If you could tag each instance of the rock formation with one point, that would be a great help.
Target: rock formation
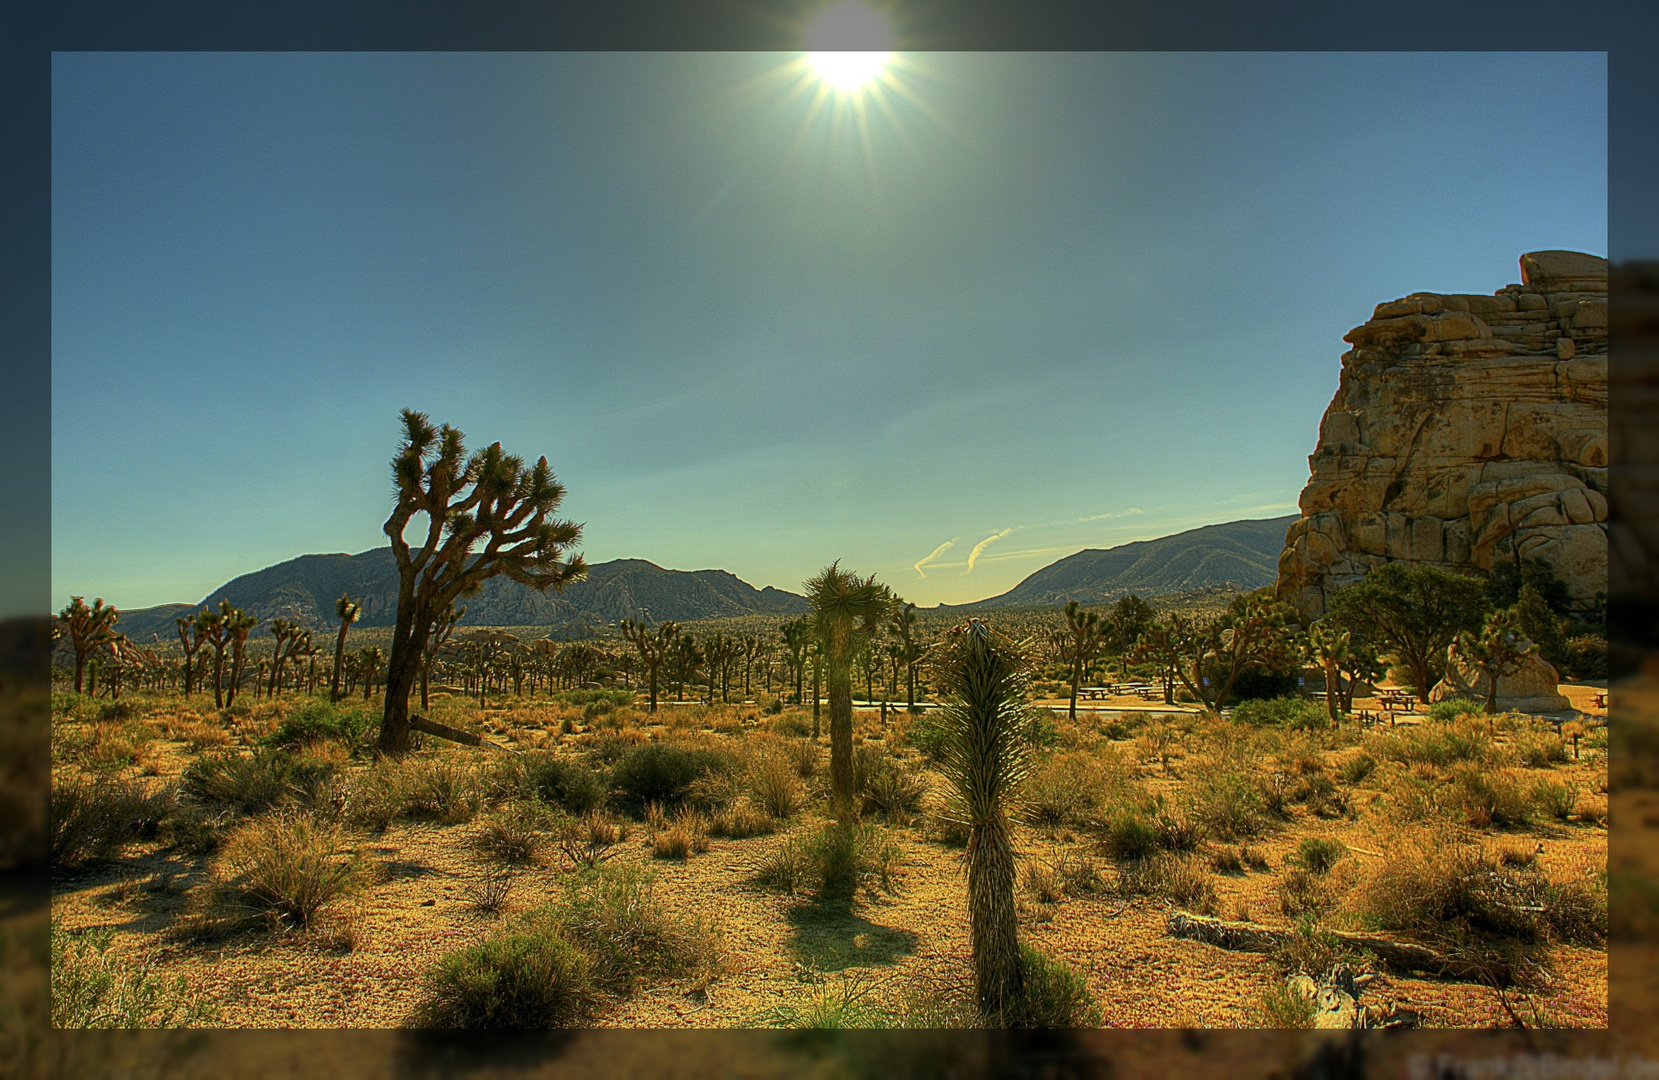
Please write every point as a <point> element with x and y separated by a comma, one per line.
<point>1465,429</point>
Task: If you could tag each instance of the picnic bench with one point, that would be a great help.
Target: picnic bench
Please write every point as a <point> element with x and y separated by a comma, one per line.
<point>1601,699</point>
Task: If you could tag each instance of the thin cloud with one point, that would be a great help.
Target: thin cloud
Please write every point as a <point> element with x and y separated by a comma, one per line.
<point>938,551</point>
<point>973,556</point>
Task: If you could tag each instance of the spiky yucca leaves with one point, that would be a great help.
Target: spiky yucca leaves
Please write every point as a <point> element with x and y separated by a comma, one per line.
<point>847,610</point>
<point>348,612</point>
<point>487,514</point>
<point>87,627</point>
<point>1498,651</point>
<point>655,648</point>
<point>982,677</point>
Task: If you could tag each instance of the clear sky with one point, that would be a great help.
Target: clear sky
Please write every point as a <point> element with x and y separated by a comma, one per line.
<point>1033,303</point>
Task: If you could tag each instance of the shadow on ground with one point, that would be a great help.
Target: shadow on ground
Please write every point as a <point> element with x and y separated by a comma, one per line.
<point>828,935</point>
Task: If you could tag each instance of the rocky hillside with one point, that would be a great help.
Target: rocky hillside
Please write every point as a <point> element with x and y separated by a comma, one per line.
<point>1240,553</point>
<point>306,588</point>
<point>1465,429</point>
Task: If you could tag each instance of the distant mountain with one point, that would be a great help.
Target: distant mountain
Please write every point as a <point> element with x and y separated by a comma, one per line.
<point>305,590</point>
<point>1243,553</point>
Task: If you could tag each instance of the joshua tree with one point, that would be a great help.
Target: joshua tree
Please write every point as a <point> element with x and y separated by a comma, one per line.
<point>1330,647</point>
<point>347,612</point>
<point>1498,651</point>
<point>238,625</point>
<point>718,651</point>
<point>847,610</point>
<point>655,648</point>
<point>441,629</point>
<point>87,628</point>
<point>1085,641</point>
<point>1208,655</point>
<point>983,678</point>
<point>687,655</point>
<point>287,635</point>
<point>369,659</point>
<point>487,514</point>
<point>750,645</point>
<point>796,637</point>
<point>210,627</point>
<point>903,625</point>
<point>190,636</point>
<point>817,681</point>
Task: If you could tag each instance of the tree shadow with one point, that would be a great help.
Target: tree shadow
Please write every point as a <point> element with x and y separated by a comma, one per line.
<point>431,1053</point>
<point>828,935</point>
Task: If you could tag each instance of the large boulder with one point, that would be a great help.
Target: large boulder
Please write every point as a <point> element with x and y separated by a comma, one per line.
<point>1465,430</point>
<point>1532,689</point>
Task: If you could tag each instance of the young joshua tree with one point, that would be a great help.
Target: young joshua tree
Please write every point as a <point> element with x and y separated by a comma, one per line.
<point>1085,641</point>
<point>655,648</point>
<point>1498,651</point>
<point>190,636</point>
<point>442,627</point>
<point>286,634</point>
<point>751,652</point>
<point>903,625</point>
<point>88,628</point>
<point>210,627</point>
<point>347,612</point>
<point>486,514</point>
<point>847,610</point>
<point>1330,648</point>
<point>982,677</point>
<point>796,636</point>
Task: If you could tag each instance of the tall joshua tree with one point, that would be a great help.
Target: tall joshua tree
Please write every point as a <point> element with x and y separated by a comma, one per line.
<point>751,652</point>
<point>1085,641</point>
<point>846,609</point>
<point>210,627</point>
<point>88,628</point>
<point>983,678</point>
<point>1330,648</point>
<point>238,625</point>
<point>347,612</point>
<point>190,636</point>
<point>903,623</point>
<point>687,655</point>
<point>796,637</point>
<point>486,514</point>
<point>655,648</point>
<point>287,636</point>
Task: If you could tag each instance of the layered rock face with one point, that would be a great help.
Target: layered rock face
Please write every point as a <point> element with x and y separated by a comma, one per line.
<point>1465,429</point>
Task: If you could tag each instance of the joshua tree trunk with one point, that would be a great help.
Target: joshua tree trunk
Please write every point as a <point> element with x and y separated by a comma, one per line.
<point>339,657</point>
<point>1076,677</point>
<point>1333,692</point>
<point>817,694</point>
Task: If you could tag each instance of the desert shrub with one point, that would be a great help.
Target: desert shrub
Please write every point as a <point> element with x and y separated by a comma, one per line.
<point>1557,801</point>
<point>1227,860</point>
<point>1078,874</point>
<point>1317,854</point>
<point>194,828</point>
<point>793,724</point>
<point>93,989</point>
<point>1309,949</point>
<point>377,795</point>
<point>1306,892</point>
<point>90,818</point>
<point>250,783</point>
<point>1585,657</point>
<point>200,734</point>
<point>832,861</point>
<point>1042,882</point>
<point>444,790</point>
<point>318,720</point>
<point>1436,744</point>
<point>1283,1006</point>
<point>560,781</point>
<point>1054,994</point>
<point>848,1002</point>
<point>1292,713</point>
<point>288,865</point>
<point>1178,879</point>
<point>531,979</point>
<point>513,834</point>
<point>1540,750</point>
<point>1357,769</point>
<point>1126,834</point>
<point>774,783</point>
<point>488,889</point>
<point>585,698</point>
<point>1455,708</point>
<point>1228,802</point>
<point>1252,857</point>
<point>662,772</point>
<point>612,913</point>
<point>894,792</point>
<point>1064,789</point>
<point>1461,898</point>
<point>115,712</point>
<point>1489,798</point>
<point>1124,725</point>
<point>741,820</point>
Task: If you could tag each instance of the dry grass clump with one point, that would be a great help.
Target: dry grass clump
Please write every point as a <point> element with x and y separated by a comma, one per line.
<point>686,833</point>
<point>774,783</point>
<point>589,840</point>
<point>1074,874</point>
<point>741,819</point>
<point>249,782</point>
<point>197,733</point>
<point>885,787</point>
<point>1071,789</point>
<point>489,888</point>
<point>93,989</point>
<point>1304,892</point>
<point>832,862</point>
<point>613,914</point>
<point>288,866</point>
<point>447,790</point>
<point>1225,796</point>
<point>513,834</point>
<point>1177,878</point>
<point>1463,740</point>
<point>89,818</point>
<point>567,783</point>
<point>1136,830</point>
<point>529,979</point>
<point>1490,797</point>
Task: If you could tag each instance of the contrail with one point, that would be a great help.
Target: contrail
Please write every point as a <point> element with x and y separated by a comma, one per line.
<point>973,556</point>
<point>938,551</point>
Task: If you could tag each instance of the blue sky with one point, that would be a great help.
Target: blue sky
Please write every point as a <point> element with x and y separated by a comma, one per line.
<point>1061,300</point>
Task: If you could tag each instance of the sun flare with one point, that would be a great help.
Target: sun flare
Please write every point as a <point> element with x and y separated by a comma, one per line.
<point>848,45</point>
<point>848,71</point>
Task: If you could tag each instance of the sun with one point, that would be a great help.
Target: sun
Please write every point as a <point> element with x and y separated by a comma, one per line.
<point>848,45</point>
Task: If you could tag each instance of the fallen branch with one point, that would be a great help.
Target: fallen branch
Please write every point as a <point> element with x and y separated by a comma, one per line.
<point>1400,956</point>
<point>444,731</point>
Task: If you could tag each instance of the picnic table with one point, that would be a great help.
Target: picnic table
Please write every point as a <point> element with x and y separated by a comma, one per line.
<point>1394,699</point>
<point>1601,699</point>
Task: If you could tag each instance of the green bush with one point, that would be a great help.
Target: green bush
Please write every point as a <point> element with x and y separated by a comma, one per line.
<point>90,818</point>
<point>1452,708</point>
<point>527,980</point>
<point>92,989</point>
<point>831,862</point>
<point>289,865</point>
<point>1317,855</point>
<point>1357,768</point>
<point>1282,1006</point>
<point>1054,994</point>
<point>1291,713</point>
<point>561,781</point>
<point>115,712</point>
<point>248,783</point>
<point>662,773</point>
<point>1490,798</point>
<point>1585,657</point>
<point>613,915</point>
<point>614,698</point>
<point>318,720</point>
